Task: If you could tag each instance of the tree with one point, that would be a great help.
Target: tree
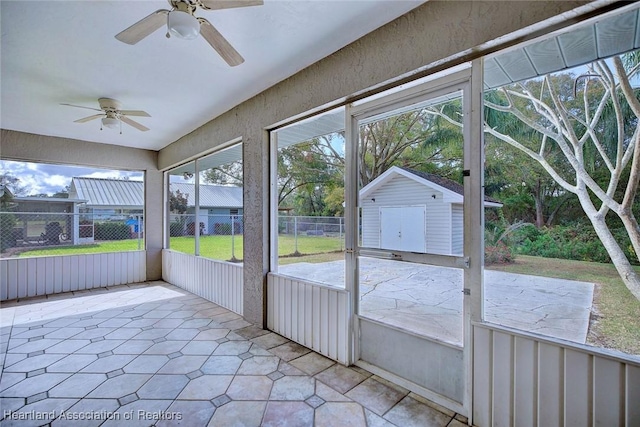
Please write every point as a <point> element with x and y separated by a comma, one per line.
<point>227,174</point>
<point>587,141</point>
<point>416,139</point>
<point>308,172</point>
<point>178,202</point>
<point>13,183</point>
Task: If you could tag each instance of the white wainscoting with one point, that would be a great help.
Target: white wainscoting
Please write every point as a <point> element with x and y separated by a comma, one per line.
<point>217,281</point>
<point>46,275</point>
<point>310,314</point>
<point>525,381</point>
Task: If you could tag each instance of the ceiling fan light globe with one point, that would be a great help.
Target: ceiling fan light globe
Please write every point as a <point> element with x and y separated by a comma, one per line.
<point>183,25</point>
<point>110,122</point>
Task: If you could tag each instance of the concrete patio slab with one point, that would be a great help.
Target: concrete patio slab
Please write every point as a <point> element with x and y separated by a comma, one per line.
<point>428,300</point>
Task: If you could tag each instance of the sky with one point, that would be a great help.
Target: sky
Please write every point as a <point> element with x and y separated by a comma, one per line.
<point>41,178</point>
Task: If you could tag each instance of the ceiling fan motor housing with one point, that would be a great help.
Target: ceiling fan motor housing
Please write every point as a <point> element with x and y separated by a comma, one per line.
<point>108,104</point>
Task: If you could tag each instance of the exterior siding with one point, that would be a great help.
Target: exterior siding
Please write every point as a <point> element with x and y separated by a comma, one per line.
<point>457,229</point>
<point>401,191</point>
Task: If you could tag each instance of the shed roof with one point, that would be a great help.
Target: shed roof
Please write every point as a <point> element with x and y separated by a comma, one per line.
<point>452,191</point>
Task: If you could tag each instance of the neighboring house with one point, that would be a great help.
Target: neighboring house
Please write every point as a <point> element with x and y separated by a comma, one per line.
<point>218,205</point>
<point>413,211</point>
<point>107,198</point>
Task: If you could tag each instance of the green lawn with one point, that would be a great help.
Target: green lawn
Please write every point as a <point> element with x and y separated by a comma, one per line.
<point>216,247</point>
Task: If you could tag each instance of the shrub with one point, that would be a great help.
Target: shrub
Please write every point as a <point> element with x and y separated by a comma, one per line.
<point>575,241</point>
<point>222,228</point>
<point>112,231</point>
<point>498,254</point>
<point>175,229</point>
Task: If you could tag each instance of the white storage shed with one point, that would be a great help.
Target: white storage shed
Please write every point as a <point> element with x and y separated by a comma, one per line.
<point>413,211</point>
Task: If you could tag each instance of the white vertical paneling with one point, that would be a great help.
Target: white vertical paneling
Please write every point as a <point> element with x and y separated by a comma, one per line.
<point>632,391</point>
<point>131,271</point>
<point>82,273</point>
<point>216,281</point>
<point>12,278</point>
<point>73,273</point>
<point>31,276</point>
<point>97,273</point>
<point>502,379</point>
<point>308,317</point>
<point>525,377</point>
<point>28,277</point>
<point>552,383</point>
<point>50,275</point>
<point>312,315</point>
<point>482,366</point>
<point>4,281</point>
<point>22,279</point>
<point>343,319</point>
<point>41,276</point>
<point>104,269</point>
<point>66,273</point>
<point>332,321</point>
<point>577,390</point>
<point>294,311</point>
<point>608,402</point>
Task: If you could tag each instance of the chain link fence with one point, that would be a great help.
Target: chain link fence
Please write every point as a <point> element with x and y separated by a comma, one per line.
<point>299,230</point>
<point>220,235</point>
<point>43,233</point>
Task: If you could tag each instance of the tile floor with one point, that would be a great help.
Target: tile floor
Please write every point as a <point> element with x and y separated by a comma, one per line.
<point>153,354</point>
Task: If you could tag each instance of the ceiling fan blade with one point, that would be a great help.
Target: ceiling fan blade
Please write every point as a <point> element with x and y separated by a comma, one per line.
<point>227,4</point>
<point>80,106</point>
<point>86,119</point>
<point>138,113</point>
<point>143,27</point>
<point>219,43</point>
<point>136,125</point>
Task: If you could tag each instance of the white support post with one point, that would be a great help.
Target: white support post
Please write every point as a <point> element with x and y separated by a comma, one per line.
<point>473,220</point>
<point>196,226</point>
<point>351,230</point>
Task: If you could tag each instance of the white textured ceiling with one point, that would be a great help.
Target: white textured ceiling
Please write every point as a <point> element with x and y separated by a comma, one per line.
<point>57,52</point>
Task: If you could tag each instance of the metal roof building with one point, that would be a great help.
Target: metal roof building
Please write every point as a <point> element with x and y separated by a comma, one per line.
<point>104,193</point>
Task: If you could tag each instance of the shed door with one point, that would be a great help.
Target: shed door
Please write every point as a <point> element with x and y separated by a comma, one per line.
<point>402,228</point>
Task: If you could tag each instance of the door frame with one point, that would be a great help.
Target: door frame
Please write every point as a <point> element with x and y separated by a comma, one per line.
<point>470,81</point>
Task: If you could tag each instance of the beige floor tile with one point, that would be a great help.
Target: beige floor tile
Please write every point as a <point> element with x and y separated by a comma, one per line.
<point>312,363</point>
<point>250,387</point>
<point>238,414</point>
<point>375,396</point>
<point>206,387</point>
<point>333,414</point>
<point>293,388</point>
<point>288,414</point>
<point>340,378</point>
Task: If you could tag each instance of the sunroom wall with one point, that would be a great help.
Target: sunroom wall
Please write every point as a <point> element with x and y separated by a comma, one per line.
<point>435,35</point>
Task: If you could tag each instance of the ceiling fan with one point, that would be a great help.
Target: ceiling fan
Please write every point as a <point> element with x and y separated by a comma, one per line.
<point>112,114</point>
<point>182,23</point>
